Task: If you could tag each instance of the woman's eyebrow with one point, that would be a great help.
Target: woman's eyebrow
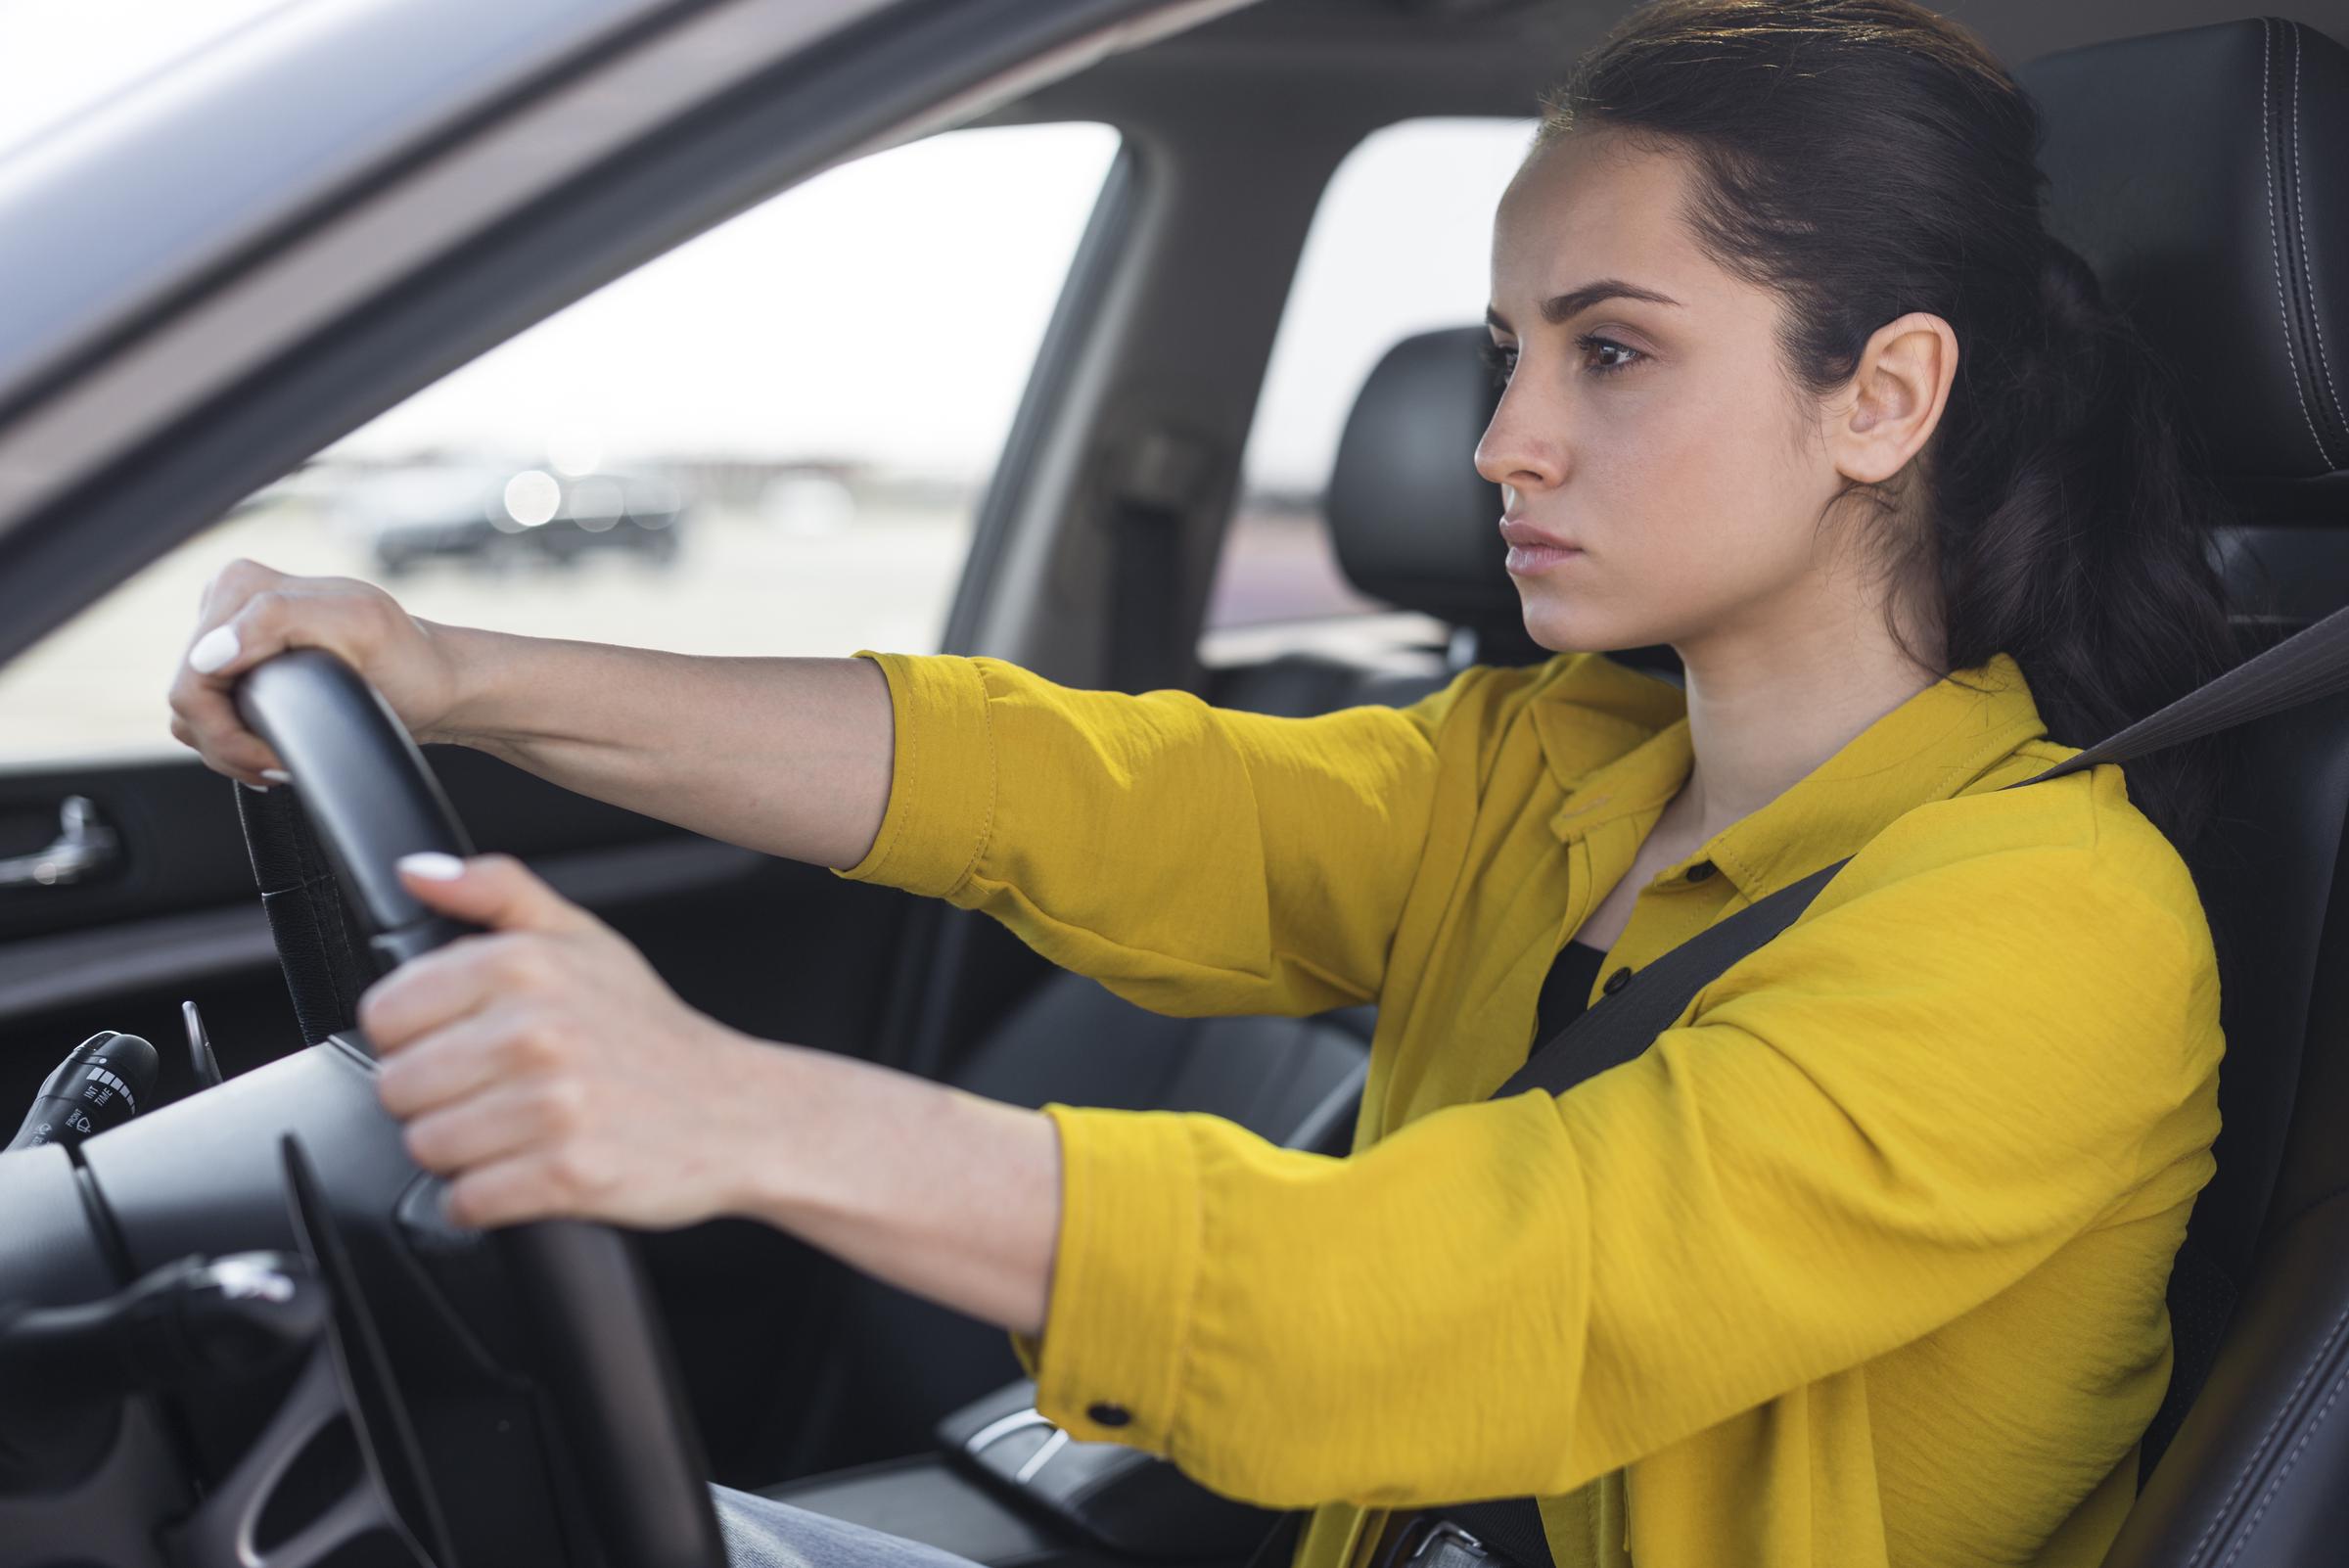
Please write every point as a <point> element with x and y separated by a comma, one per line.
<point>1561,307</point>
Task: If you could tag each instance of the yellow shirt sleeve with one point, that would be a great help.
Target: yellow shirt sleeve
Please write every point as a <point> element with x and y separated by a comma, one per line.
<point>1194,860</point>
<point>1878,1121</point>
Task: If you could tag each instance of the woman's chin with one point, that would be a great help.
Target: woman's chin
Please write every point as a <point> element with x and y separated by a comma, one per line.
<point>1562,631</point>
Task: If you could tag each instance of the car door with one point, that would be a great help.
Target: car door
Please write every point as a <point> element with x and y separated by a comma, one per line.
<point>771,441</point>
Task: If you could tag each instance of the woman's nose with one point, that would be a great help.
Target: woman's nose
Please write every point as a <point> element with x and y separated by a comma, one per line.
<point>1516,449</point>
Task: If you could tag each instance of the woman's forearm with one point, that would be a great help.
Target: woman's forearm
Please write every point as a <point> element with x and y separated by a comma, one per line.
<point>940,1192</point>
<point>787,755</point>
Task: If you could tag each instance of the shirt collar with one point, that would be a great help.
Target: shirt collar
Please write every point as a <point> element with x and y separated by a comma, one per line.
<point>1929,748</point>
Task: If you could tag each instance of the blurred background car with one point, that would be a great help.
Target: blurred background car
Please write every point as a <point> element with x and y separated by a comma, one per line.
<point>493,513</point>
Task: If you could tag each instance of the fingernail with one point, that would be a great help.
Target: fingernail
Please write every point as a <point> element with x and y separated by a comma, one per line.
<point>277,775</point>
<point>433,866</point>
<point>215,648</point>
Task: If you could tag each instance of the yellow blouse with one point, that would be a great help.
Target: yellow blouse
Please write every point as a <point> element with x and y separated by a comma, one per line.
<point>1862,1264</point>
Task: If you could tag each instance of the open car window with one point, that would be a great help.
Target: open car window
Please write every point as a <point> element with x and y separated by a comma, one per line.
<point>772,440</point>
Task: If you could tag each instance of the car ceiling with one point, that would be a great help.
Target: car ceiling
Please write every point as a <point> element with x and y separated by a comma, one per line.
<point>1386,60</point>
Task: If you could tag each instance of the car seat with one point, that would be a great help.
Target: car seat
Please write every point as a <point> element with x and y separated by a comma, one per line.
<point>2200,173</point>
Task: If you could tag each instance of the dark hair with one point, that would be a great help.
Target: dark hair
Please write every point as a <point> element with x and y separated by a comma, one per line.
<point>1864,159</point>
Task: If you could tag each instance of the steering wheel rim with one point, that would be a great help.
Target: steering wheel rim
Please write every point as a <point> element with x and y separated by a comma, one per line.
<point>603,1360</point>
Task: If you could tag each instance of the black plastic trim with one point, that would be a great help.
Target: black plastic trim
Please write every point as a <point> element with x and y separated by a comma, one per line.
<point>1076,317</point>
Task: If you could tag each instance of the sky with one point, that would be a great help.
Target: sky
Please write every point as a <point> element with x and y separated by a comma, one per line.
<point>816,324</point>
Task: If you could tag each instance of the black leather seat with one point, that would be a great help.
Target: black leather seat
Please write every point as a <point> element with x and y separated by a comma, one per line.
<point>2200,172</point>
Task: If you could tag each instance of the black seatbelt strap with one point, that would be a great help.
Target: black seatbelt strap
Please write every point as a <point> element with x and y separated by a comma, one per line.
<point>1622,1024</point>
<point>1618,1028</point>
<point>1625,1022</point>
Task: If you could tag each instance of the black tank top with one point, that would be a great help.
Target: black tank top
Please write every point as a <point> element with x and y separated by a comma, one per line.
<point>1565,992</point>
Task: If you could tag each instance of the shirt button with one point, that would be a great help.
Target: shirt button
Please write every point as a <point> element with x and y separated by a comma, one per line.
<point>1616,982</point>
<point>1108,1414</point>
<point>1701,870</point>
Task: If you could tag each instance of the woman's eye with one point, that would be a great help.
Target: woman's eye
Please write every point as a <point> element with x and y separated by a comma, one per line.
<point>1498,359</point>
<point>1605,355</point>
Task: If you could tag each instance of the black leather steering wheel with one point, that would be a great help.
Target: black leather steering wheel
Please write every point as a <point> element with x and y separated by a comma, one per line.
<point>602,1356</point>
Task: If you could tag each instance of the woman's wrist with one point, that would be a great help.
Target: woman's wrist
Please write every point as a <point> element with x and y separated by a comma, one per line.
<point>952,1196</point>
<point>476,663</point>
<point>799,1096</point>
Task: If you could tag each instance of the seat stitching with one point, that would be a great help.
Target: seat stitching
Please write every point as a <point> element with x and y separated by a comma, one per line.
<point>2308,268</point>
<point>2266,154</point>
<point>2251,1526</point>
<point>2243,1478</point>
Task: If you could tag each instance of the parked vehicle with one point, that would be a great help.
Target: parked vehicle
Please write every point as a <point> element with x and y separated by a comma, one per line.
<point>493,513</point>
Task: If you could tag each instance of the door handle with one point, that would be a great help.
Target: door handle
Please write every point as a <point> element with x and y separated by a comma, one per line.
<point>85,845</point>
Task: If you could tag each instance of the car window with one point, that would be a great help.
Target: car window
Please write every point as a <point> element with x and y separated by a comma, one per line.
<point>772,440</point>
<point>1400,242</point>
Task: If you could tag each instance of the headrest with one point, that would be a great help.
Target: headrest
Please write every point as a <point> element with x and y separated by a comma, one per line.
<point>2200,173</point>
<point>1414,523</point>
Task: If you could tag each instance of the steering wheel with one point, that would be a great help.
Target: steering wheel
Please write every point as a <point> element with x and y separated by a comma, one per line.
<point>601,1354</point>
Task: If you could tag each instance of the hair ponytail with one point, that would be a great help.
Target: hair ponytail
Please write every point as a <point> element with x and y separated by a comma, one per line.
<point>1864,159</point>
<point>2073,532</point>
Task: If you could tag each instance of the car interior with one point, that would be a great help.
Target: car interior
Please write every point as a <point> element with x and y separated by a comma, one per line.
<point>2193,156</point>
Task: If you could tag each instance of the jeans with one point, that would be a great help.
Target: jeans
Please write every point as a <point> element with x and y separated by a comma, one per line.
<point>764,1533</point>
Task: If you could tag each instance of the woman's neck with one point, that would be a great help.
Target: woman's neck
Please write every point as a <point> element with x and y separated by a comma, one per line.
<point>1762,718</point>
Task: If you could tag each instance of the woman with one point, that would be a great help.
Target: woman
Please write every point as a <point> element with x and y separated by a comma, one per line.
<point>1862,1263</point>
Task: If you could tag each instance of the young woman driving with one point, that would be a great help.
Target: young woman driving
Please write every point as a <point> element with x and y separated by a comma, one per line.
<point>1863,1263</point>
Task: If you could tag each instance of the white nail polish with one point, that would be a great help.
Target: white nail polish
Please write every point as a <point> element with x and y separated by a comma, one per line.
<point>433,866</point>
<point>212,650</point>
<point>277,775</point>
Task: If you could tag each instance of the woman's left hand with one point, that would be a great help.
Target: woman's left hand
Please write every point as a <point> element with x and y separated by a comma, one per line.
<point>545,1070</point>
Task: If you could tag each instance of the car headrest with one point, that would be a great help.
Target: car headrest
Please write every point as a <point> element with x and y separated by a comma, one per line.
<point>1413,522</point>
<point>2199,172</point>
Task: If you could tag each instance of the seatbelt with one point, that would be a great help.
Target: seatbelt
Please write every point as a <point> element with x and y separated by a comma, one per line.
<point>1622,1024</point>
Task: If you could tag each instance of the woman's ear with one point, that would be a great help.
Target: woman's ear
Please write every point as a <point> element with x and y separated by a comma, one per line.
<point>1894,399</point>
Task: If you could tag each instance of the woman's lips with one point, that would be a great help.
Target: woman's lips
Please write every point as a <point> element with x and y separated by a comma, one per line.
<point>1528,560</point>
<point>1531,551</point>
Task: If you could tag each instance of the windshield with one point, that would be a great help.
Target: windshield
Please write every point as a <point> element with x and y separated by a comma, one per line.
<point>58,58</point>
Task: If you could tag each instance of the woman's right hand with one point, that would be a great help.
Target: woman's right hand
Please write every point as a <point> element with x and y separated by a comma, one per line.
<point>250,612</point>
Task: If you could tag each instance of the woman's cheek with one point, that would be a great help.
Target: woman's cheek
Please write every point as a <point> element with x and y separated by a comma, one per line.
<point>1681,490</point>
